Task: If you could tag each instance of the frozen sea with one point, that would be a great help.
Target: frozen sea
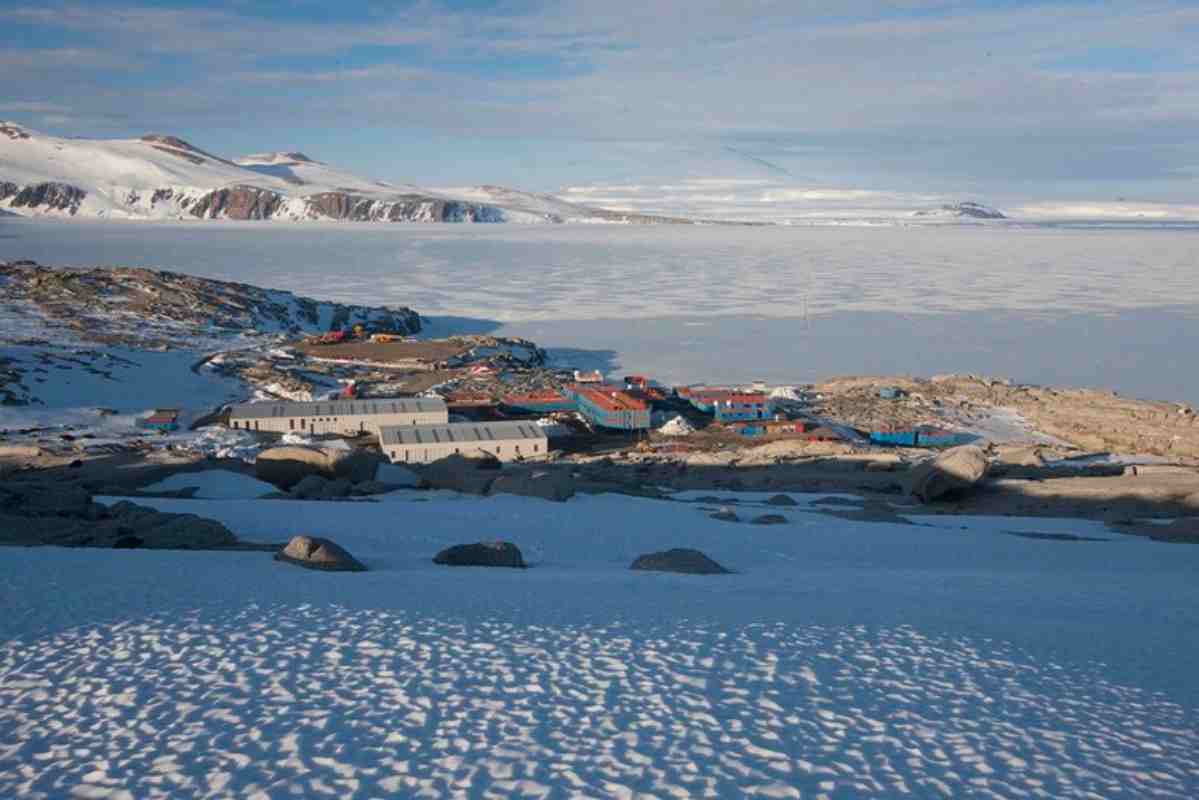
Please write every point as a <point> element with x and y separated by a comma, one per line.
<point>1112,306</point>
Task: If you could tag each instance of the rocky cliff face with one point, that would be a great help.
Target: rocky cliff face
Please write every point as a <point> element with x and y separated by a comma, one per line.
<point>236,202</point>
<point>48,196</point>
<point>403,208</point>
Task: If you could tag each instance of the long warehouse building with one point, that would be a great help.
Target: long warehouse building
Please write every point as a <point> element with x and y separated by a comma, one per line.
<point>343,417</point>
<point>423,444</point>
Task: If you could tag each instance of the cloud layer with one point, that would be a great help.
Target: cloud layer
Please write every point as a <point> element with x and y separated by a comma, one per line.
<point>1062,100</point>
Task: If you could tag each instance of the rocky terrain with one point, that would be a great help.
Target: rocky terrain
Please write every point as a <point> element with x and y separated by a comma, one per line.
<point>1087,420</point>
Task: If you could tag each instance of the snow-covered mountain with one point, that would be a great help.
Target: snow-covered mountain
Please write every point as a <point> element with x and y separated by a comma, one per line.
<point>966,210</point>
<point>164,177</point>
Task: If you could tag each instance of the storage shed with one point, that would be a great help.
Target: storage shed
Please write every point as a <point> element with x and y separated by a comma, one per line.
<point>346,417</point>
<point>423,444</point>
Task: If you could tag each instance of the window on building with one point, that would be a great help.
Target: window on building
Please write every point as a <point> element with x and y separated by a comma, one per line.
<point>303,424</point>
<point>291,424</point>
<point>255,424</point>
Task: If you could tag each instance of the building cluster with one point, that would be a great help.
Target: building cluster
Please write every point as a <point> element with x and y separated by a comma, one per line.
<point>413,430</point>
<point>418,429</point>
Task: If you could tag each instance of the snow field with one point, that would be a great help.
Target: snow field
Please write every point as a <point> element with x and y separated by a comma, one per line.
<point>842,660</point>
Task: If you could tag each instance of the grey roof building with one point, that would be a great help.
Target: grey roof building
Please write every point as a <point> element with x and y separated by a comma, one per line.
<point>338,416</point>
<point>421,444</point>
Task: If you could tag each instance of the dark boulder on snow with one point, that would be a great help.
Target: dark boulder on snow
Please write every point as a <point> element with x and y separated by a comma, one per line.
<point>458,473</point>
<point>63,516</point>
<point>548,485</point>
<point>725,515</point>
<point>313,552</point>
<point>782,500</point>
<point>481,554</point>
<point>769,519</point>
<point>680,559</point>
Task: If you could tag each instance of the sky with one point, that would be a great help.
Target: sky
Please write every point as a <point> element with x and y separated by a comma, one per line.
<point>982,100</point>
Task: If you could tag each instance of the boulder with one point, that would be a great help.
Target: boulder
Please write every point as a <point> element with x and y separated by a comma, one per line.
<point>957,470</point>
<point>680,559</point>
<point>725,515</point>
<point>557,485</point>
<point>782,500</point>
<point>313,552</point>
<point>65,516</point>
<point>336,489</point>
<point>49,500</point>
<point>481,554</point>
<point>769,519</point>
<point>287,466</point>
<point>367,488</point>
<point>309,487</point>
<point>459,474</point>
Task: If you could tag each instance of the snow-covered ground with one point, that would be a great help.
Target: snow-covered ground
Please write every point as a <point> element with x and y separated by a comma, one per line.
<point>841,660</point>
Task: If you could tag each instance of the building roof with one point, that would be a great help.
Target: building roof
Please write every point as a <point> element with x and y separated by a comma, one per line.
<point>535,397</point>
<point>734,397</point>
<point>613,401</point>
<point>339,408</point>
<point>458,432</point>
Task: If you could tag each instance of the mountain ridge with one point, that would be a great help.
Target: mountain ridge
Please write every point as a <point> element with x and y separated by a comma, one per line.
<point>162,176</point>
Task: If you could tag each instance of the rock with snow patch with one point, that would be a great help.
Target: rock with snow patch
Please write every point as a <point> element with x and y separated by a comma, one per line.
<point>679,559</point>
<point>725,515</point>
<point>481,554</point>
<point>314,552</point>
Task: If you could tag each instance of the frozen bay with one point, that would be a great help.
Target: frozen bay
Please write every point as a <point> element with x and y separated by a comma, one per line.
<point>1111,307</point>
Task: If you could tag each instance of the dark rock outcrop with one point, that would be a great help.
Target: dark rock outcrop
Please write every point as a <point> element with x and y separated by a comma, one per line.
<point>238,202</point>
<point>556,485</point>
<point>679,559</point>
<point>400,208</point>
<point>725,515</point>
<point>34,514</point>
<point>482,554</point>
<point>782,500</point>
<point>49,196</point>
<point>312,552</point>
<point>458,473</point>
<point>769,519</point>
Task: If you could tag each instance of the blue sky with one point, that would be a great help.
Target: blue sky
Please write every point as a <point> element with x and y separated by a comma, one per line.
<point>1069,99</point>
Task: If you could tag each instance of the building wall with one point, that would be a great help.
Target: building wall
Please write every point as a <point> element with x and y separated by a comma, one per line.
<point>503,449</point>
<point>726,412</point>
<point>629,420</point>
<point>348,424</point>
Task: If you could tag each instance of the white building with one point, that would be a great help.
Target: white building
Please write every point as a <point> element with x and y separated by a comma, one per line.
<point>422,444</point>
<point>342,417</point>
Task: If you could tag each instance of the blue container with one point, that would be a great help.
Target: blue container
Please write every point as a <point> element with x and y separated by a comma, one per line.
<point>894,438</point>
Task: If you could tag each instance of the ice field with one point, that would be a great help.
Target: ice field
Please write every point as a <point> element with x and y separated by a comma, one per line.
<point>841,660</point>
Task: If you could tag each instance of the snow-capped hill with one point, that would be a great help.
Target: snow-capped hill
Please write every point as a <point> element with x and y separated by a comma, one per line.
<point>13,131</point>
<point>962,210</point>
<point>550,207</point>
<point>274,158</point>
<point>160,176</point>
